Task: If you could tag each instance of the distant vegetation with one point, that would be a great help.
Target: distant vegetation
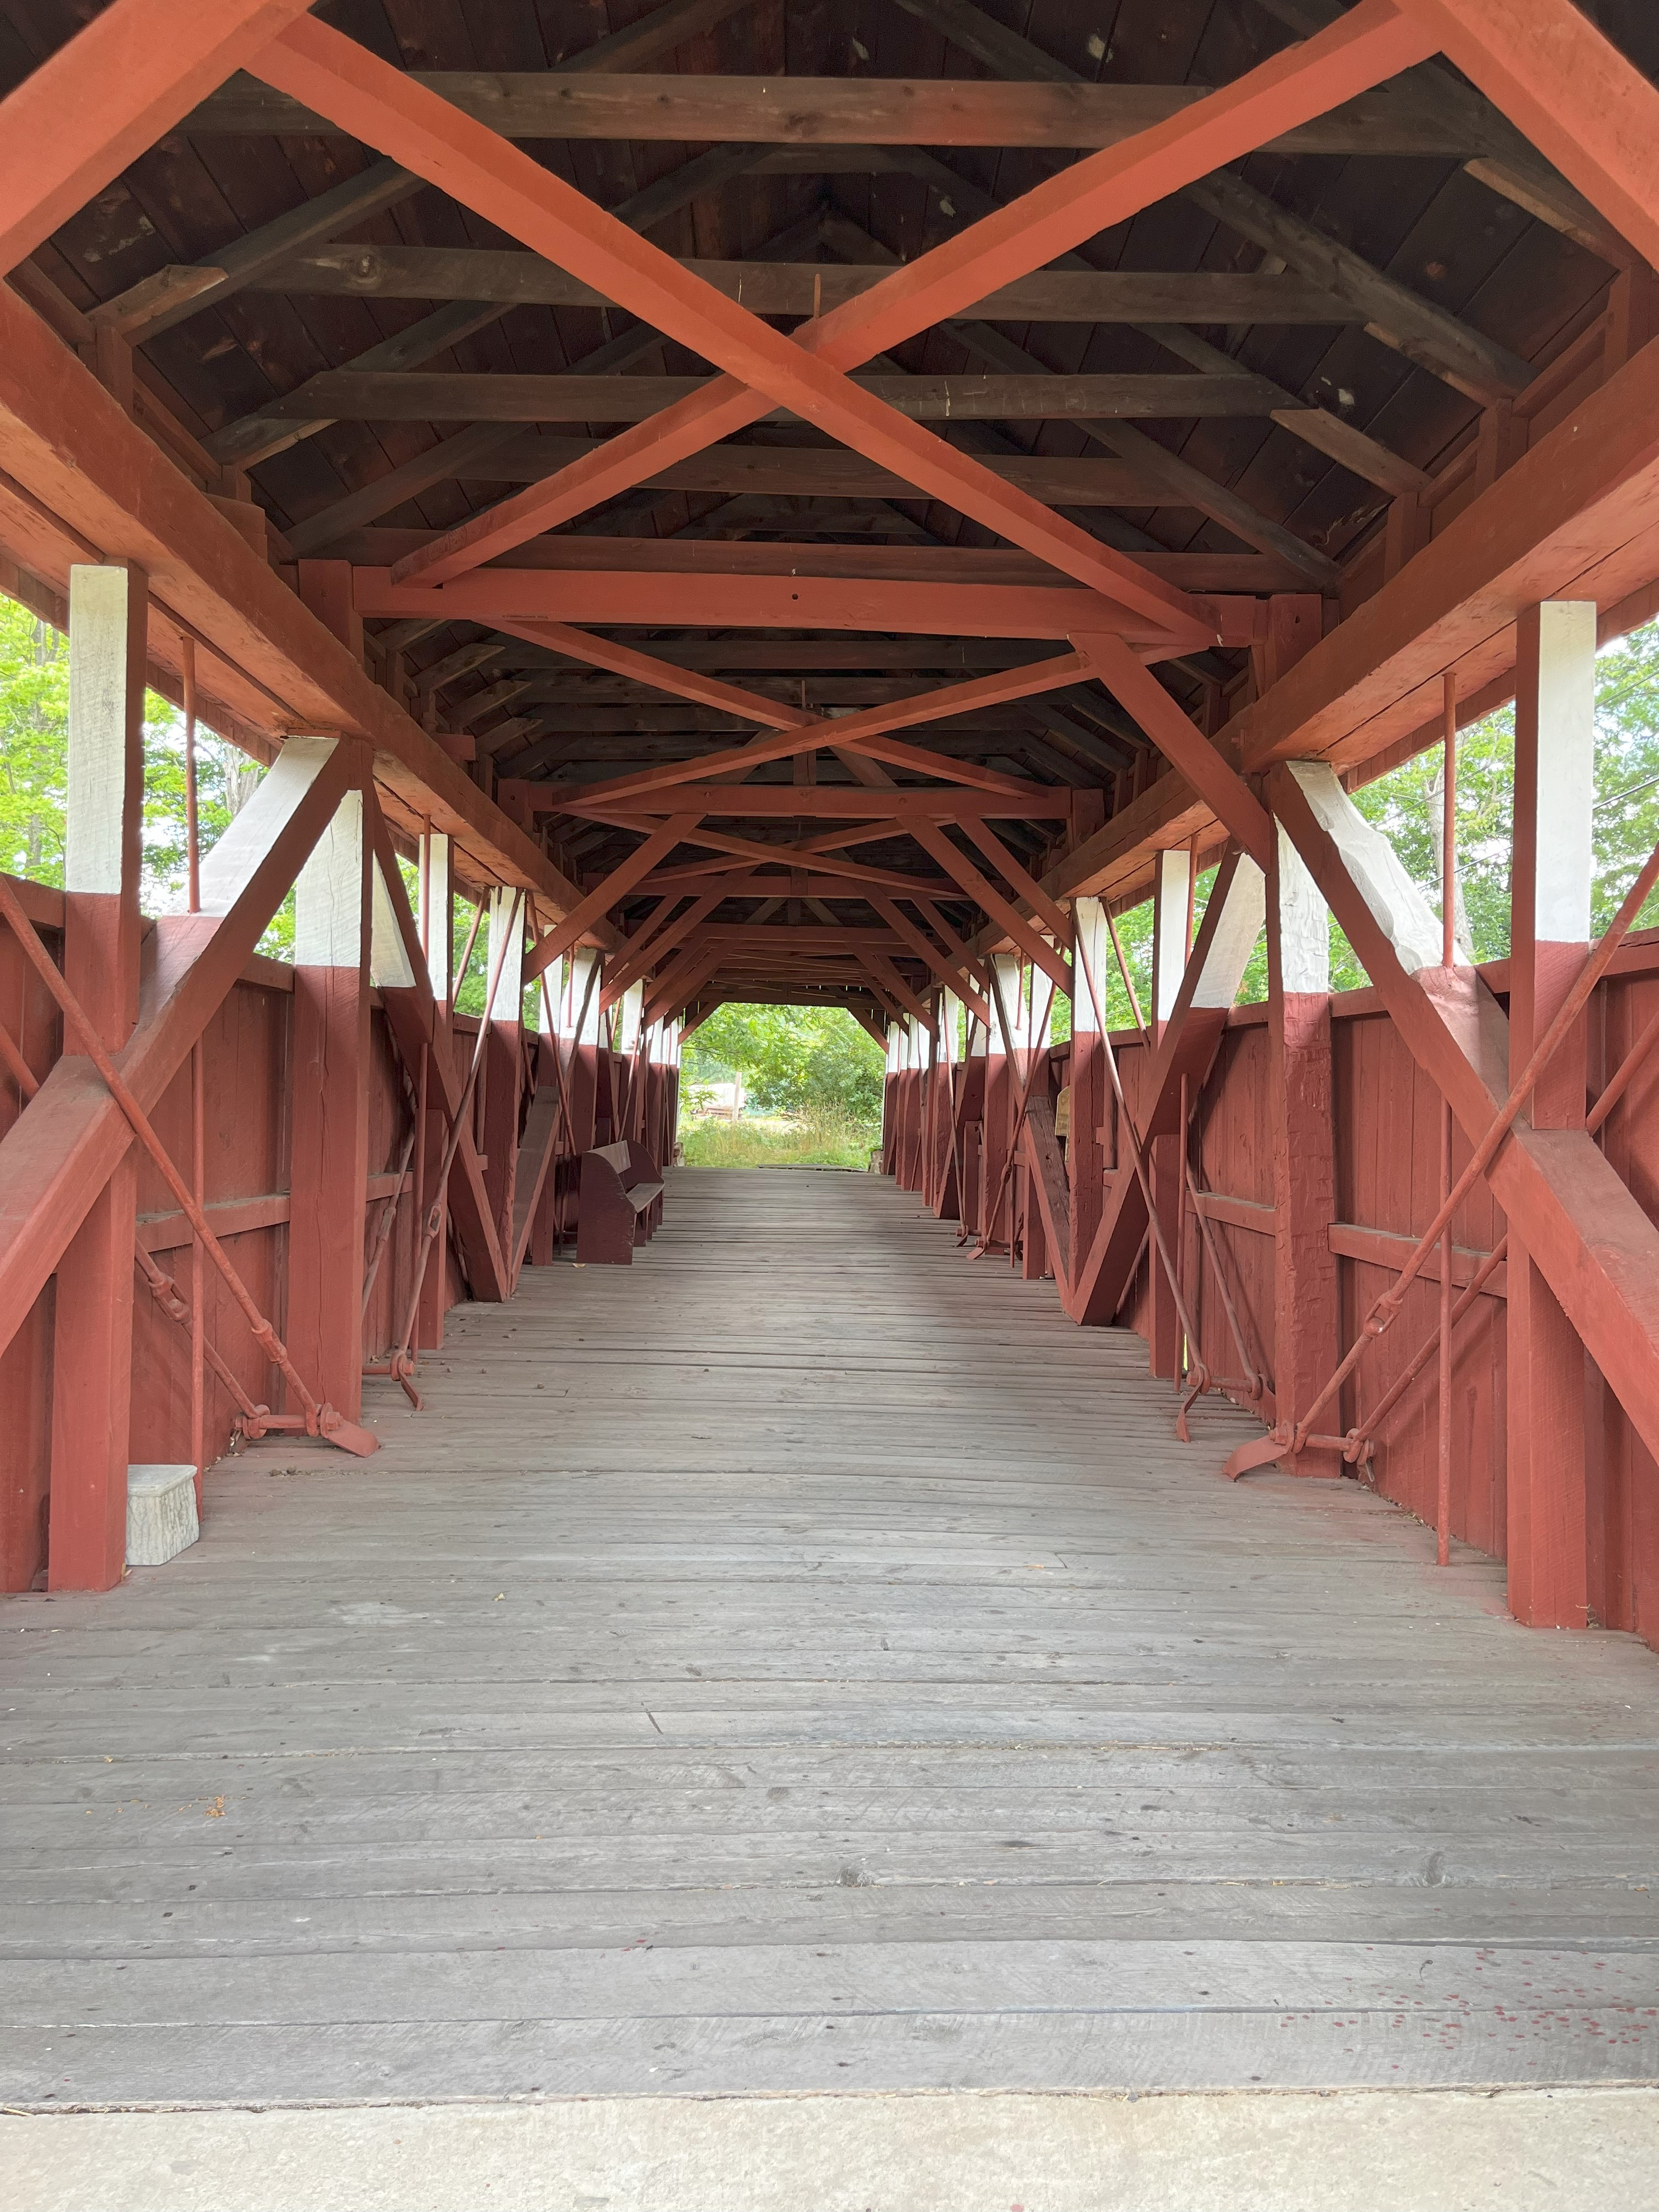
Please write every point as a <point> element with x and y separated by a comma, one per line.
<point>822,1138</point>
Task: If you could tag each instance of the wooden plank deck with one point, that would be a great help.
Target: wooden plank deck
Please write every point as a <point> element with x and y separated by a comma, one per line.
<point>805,1660</point>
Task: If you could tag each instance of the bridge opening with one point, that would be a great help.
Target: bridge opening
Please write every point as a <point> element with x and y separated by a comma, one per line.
<point>1065,614</point>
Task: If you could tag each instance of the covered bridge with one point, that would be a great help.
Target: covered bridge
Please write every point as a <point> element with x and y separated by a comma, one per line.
<point>732,500</point>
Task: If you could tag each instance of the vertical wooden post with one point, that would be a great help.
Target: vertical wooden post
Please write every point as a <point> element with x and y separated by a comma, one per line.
<point>946,1199</point>
<point>671,1070</point>
<point>1443,1510</point>
<point>325,589</point>
<point>1001,1046</point>
<point>1301,1117</point>
<point>92,1373</point>
<point>970,1183</point>
<point>1172,891</point>
<point>1086,1162</point>
<point>505,1053</point>
<point>329,1170</point>
<point>582,1018</point>
<point>1549,932</point>
<point>921,1085</point>
<point>203,1279</point>
<point>1036,1022</point>
<point>549,1076</point>
<point>889,1100</point>
<point>438,936</point>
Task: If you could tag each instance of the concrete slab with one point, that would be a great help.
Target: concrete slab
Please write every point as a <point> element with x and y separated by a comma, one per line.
<point>1563,2150</point>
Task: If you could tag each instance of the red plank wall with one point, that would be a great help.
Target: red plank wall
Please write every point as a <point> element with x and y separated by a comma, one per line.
<point>1387,1120</point>
<point>247,1093</point>
<point>247,1090</point>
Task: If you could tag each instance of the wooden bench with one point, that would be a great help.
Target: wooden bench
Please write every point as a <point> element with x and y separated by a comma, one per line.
<point>620,1204</point>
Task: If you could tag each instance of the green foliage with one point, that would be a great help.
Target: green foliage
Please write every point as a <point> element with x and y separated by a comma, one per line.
<point>792,1059</point>
<point>33,754</point>
<point>1626,772</point>
<point>824,1137</point>
<point>1407,805</point>
<point>33,733</point>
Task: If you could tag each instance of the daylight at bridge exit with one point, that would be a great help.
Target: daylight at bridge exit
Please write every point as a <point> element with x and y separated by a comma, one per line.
<point>828,1105</point>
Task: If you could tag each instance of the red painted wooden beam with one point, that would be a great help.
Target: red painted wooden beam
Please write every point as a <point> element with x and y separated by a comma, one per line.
<point>1186,748</point>
<point>104,99</point>
<point>510,598</point>
<point>489,175</point>
<point>806,373</point>
<point>64,1147</point>
<point>1568,88</point>
<point>1584,1229</point>
<point>621,880</point>
<point>855,732</point>
<point>1232,920</point>
<point>665,675</point>
<point>787,801</point>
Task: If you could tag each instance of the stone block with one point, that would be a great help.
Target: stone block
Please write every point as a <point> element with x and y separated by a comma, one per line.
<point>160,1514</point>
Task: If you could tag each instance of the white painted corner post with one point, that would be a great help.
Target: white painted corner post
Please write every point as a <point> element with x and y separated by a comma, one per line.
<point>1172,910</point>
<point>502,1074</point>
<point>1550,890</point>
<point>437,922</point>
<point>1090,1154</point>
<point>92,1372</point>
<point>1301,1108</point>
<point>328,1175</point>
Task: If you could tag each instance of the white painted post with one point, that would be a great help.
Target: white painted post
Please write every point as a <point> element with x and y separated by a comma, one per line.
<point>328,1174</point>
<point>1304,924</point>
<point>1171,901</point>
<point>1547,1474</point>
<point>328,893</point>
<point>92,1379</point>
<point>630,1015</point>
<point>1092,948</point>
<point>950,1030</point>
<point>506,945</point>
<point>437,915</point>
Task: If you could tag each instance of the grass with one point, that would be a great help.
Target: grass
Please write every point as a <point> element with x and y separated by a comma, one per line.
<point>820,1140</point>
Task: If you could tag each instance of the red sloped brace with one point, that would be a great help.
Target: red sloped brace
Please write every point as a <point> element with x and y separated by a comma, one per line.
<point>1583,1228</point>
<point>622,879</point>
<point>1546,67</point>
<point>847,733</point>
<point>63,1149</point>
<point>411,1014</point>
<point>1232,923</point>
<point>487,174</point>
<point>494,178</point>
<point>98,103</point>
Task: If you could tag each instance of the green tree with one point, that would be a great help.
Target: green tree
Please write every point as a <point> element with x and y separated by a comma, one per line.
<point>33,740</point>
<point>790,1058</point>
<point>34,768</point>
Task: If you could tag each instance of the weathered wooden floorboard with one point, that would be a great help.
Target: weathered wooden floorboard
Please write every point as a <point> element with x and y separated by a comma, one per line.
<point>804,1660</point>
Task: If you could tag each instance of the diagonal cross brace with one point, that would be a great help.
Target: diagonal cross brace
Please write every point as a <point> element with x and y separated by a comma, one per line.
<point>412,1015</point>
<point>807,373</point>
<point>1226,937</point>
<point>1582,1226</point>
<point>64,1146</point>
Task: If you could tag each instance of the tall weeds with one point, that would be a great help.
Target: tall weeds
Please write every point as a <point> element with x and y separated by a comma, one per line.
<point>824,1136</point>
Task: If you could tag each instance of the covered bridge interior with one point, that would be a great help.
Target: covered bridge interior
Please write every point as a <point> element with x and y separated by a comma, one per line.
<point>732,500</point>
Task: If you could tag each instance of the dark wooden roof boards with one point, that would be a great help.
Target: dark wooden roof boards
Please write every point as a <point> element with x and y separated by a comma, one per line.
<point>1432,295</point>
